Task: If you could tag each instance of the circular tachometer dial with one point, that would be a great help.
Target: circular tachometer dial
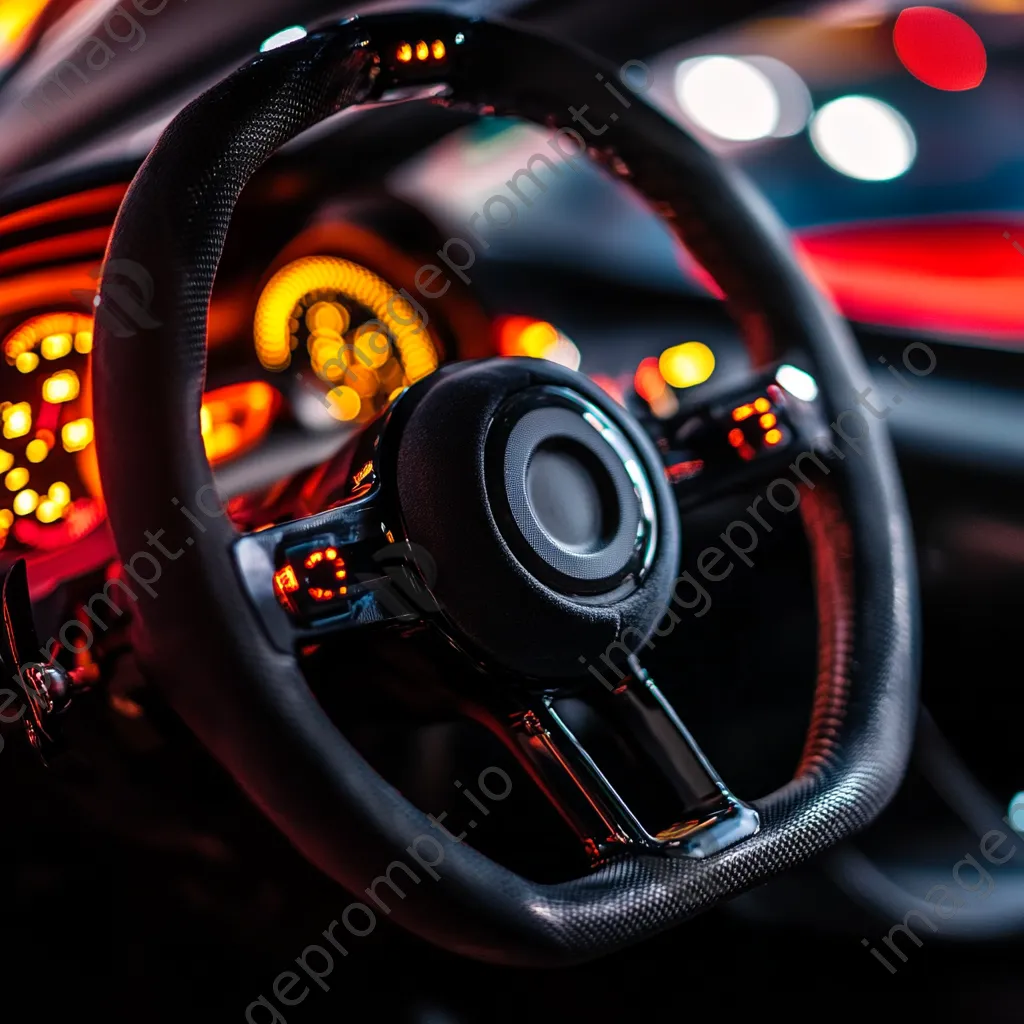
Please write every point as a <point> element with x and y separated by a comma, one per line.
<point>366,341</point>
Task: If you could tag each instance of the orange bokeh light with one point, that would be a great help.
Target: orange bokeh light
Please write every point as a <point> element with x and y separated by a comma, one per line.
<point>236,417</point>
<point>16,20</point>
<point>648,381</point>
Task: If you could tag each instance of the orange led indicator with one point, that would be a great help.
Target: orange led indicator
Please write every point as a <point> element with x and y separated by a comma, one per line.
<point>404,53</point>
<point>331,554</point>
<point>762,405</point>
<point>437,49</point>
<point>314,558</point>
<point>773,437</point>
<point>768,420</point>
<point>736,437</point>
<point>285,580</point>
<point>363,473</point>
<point>422,50</point>
<point>743,412</point>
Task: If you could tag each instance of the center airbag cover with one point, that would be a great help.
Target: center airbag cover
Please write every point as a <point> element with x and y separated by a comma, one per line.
<point>543,600</point>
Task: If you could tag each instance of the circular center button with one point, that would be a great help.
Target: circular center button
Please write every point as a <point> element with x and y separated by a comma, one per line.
<point>571,494</point>
<point>568,492</point>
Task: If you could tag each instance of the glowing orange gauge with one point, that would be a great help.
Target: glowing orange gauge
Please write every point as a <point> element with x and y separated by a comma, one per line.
<point>49,477</point>
<point>366,342</point>
<point>51,336</point>
<point>50,491</point>
<point>235,418</point>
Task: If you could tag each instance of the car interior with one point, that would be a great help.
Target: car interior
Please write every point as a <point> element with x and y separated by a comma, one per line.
<point>508,503</point>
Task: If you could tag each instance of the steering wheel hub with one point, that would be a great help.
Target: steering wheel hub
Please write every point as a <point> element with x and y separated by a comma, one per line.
<point>521,475</point>
<point>570,495</point>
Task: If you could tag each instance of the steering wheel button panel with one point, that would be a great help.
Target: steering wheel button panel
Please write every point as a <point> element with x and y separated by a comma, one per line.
<point>740,438</point>
<point>314,580</point>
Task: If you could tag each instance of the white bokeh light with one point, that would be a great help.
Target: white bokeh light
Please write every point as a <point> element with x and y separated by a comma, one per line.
<point>795,103</point>
<point>728,97</point>
<point>287,35</point>
<point>1016,812</point>
<point>864,138</point>
<point>799,383</point>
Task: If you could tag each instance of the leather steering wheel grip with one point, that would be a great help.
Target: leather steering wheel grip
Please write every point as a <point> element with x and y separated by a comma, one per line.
<point>199,638</point>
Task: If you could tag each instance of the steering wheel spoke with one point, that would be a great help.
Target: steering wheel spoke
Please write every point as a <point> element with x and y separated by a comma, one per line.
<point>743,437</point>
<point>621,768</point>
<point>340,569</point>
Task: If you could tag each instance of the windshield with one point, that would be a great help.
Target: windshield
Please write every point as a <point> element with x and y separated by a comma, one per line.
<point>890,140</point>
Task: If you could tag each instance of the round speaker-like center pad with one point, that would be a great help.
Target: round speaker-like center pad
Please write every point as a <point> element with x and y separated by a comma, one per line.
<point>571,494</point>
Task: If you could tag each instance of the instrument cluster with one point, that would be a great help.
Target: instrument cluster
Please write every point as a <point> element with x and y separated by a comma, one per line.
<point>317,323</point>
<point>313,331</point>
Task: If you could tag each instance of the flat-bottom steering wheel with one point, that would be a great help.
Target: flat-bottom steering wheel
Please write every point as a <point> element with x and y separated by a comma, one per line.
<point>543,535</point>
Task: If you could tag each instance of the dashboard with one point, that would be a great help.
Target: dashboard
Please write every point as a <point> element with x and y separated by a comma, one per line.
<point>313,331</point>
<point>325,308</point>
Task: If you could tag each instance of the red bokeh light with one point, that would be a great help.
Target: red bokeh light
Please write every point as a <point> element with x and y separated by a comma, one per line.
<point>954,275</point>
<point>939,48</point>
<point>648,381</point>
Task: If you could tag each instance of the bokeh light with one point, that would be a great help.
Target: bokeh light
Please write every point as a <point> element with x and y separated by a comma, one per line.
<point>799,383</point>
<point>728,97</point>
<point>1015,813</point>
<point>795,102</point>
<point>287,35</point>
<point>651,386</point>
<point>939,48</point>
<point>344,403</point>
<point>864,138</point>
<point>536,339</point>
<point>686,365</point>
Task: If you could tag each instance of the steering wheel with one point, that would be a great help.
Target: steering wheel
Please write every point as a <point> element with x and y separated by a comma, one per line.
<point>540,533</point>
